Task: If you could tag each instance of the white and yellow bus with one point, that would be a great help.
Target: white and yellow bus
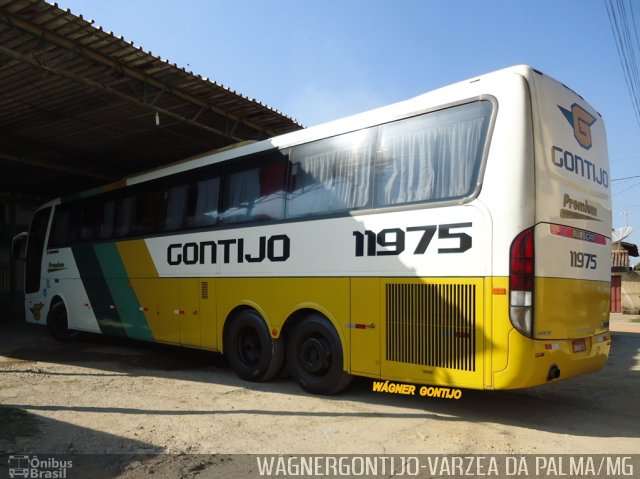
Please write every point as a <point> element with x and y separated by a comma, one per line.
<point>460,238</point>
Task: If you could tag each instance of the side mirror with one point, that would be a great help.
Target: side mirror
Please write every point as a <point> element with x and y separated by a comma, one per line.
<point>19,246</point>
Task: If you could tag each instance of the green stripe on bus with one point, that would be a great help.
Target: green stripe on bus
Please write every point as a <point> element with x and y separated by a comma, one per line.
<point>133,320</point>
<point>99,294</point>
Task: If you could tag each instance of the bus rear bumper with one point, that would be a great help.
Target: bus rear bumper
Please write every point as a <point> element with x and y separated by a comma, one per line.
<point>535,362</point>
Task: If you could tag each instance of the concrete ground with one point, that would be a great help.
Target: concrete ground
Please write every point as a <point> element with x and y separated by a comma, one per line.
<point>624,323</point>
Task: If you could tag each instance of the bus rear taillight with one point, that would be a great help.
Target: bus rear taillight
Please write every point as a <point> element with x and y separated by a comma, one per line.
<point>521,279</point>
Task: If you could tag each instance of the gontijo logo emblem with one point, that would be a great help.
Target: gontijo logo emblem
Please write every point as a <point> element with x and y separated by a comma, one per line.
<point>581,121</point>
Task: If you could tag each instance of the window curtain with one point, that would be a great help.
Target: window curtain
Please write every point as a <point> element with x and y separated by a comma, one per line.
<point>432,157</point>
<point>207,202</point>
<point>331,180</point>
<point>176,207</point>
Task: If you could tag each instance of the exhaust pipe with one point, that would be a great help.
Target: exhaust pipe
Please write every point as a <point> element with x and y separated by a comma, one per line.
<point>554,373</point>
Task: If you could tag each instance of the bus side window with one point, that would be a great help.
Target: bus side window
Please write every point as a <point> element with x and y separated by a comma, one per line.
<point>90,220</point>
<point>255,191</point>
<point>192,201</point>
<point>242,190</point>
<point>147,213</point>
<point>331,175</point>
<point>270,205</point>
<point>125,214</point>
<point>138,214</point>
<point>432,157</point>
<point>206,204</point>
<point>35,247</point>
<point>177,198</point>
<point>59,227</point>
<point>105,230</point>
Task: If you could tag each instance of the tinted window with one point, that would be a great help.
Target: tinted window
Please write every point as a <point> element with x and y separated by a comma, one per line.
<point>138,213</point>
<point>35,246</point>
<point>431,157</point>
<point>427,158</point>
<point>191,204</point>
<point>125,216</point>
<point>59,228</point>
<point>108,218</point>
<point>254,190</point>
<point>331,175</point>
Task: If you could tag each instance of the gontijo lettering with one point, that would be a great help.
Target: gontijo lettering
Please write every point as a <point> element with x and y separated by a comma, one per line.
<point>274,248</point>
<point>580,166</point>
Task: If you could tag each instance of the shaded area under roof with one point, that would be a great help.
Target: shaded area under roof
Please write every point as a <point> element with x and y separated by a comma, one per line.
<point>80,107</point>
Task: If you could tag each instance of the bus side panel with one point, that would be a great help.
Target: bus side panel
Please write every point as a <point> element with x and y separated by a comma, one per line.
<point>277,299</point>
<point>208,316</point>
<point>570,308</point>
<point>171,306</point>
<point>365,326</point>
<point>433,331</point>
<point>533,360</point>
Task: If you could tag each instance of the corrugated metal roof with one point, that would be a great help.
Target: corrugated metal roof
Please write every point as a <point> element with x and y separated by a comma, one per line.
<point>80,107</point>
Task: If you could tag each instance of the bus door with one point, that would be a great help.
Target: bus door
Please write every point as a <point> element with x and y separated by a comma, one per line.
<point>33,288</point>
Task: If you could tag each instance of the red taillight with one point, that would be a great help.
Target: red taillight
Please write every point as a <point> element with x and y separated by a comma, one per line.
<point>521,279</point>
<point>522,262</point>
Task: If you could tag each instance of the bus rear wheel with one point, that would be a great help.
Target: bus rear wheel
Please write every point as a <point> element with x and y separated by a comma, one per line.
<point>58,323</point>
<point>252,353</point>
<point>315,357</point>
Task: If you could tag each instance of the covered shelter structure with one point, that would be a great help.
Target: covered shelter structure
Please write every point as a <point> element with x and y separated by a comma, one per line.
<point>80,107</point>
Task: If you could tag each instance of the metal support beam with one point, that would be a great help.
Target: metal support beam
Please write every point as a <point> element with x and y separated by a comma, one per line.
<point>92,55</point>
<point>98,86</point>
<point>52,166</point>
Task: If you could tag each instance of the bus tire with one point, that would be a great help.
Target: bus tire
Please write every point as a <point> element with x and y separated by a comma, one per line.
<point>315,358</point>
<point>58,323</point>
<point>253,354</point>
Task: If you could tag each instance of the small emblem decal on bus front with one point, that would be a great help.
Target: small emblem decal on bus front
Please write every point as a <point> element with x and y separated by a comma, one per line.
<point>36,310</point>
<point>54,267</point>
<point>581,121</point>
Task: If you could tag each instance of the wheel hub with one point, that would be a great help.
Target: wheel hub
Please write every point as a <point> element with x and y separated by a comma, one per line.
<point>249,348</point>
<point>315,355</point>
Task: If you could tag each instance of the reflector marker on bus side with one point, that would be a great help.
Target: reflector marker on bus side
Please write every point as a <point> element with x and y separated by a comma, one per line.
<point>552,347</point>
<point>178,311</point>
<point>361,326</point>
<point>575,233</point>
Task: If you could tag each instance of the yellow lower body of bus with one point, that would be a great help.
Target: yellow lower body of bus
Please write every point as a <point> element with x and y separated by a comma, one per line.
<point>576,311</point>
<point>535,362</point>
<point>433,331</point>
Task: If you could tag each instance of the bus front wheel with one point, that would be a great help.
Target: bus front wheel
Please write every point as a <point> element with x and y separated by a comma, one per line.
<point>315,356</point>
<point>58,323</point>
<point>252,353</point>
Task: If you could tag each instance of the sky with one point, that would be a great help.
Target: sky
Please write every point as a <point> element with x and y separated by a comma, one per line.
<point>321,60</point>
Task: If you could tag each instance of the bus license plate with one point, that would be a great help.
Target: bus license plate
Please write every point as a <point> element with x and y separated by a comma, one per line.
<point>579,345</point>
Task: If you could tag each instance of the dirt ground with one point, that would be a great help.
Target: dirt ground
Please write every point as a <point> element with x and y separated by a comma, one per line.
<point>152,404</point>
